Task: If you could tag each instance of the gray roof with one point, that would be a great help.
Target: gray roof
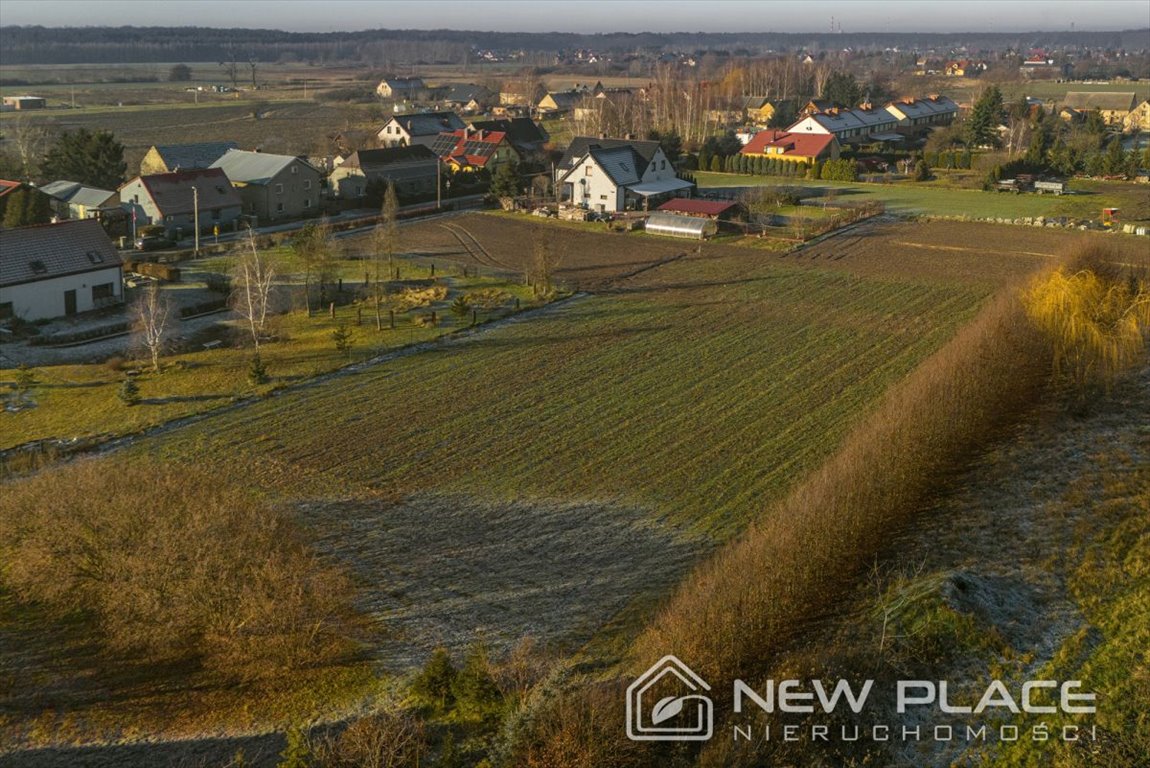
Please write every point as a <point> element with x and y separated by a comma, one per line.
<point>581,145</point>
<point>464,92</point>
<point>430,123</point>
<point>622,164</point>
<point>201,155</point>
<point>524,133</point>
<point>924,107</point>
<point>1121,101</point>
<point>30,254</point>
<point>254,167</point>
<point>75,193</point>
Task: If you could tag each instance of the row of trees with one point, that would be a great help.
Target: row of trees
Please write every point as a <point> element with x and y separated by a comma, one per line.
<point>757,165</point>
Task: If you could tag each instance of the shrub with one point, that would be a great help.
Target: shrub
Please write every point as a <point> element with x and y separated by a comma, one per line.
<point>129,392</point>
<point>477,697</point>
<point>395,740</point>
<point>257,372</point>
<point>433,686</point>
<point>167,563</point>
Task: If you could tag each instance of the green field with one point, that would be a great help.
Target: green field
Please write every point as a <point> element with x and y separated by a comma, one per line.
<point>935,200</point>
<point>733,374</point>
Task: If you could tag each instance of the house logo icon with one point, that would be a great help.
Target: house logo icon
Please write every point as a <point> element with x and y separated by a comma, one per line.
<point>668,703</point>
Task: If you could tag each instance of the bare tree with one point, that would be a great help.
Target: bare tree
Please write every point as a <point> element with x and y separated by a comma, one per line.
<point>150,320</point>
<point>383,241</point>
<point>252,64</point>
<point>318,250</point>
<point>231,68</point>
<point>30,141</point>
<point>544,262</point>
<point>251,291</point>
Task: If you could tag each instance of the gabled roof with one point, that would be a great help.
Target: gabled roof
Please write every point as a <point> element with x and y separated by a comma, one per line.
<point>376,160</point>
<point>172,192</point>
<point>9,186</point>
<point>474,148</point>
<point>522,132</point>
<point>199,155</point>
<point>429,123</point>
<point>622,164</point>
<point>1086,100</point>
<point>403,82</point>
<point>565,99</point>
<point>580,145</point>
<point>794,144</point>
<point>691,205</point>
<point>75,193</point>
<point>254,167</point>
<point>29,254</point>
<point>917,108</point>
<point>462,93</point>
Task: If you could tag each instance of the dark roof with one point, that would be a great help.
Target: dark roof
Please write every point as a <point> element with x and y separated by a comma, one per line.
<point>29,254</point>
<point>522,132</point>
<point>380,160</point>
<point>462,93</point>
<point>429,123</point>
<point>172,192</point>
<point>581,145</point>
<point>201,155</point>
<point>690,205</point>
<point>622,164</point>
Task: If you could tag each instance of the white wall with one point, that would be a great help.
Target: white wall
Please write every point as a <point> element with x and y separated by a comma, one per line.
<point>599,192</point>
<point>45,298</point>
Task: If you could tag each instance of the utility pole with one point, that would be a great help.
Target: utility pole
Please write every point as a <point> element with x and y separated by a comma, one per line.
<point>438,196</point>
<point>196,216</point>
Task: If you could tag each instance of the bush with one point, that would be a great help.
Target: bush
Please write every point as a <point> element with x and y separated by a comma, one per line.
<point>257,372</point>
<point>433,686</point>
<point>395,740</point>
<point>477,697</point>
<point>167,563</point>
<point>129,392</point>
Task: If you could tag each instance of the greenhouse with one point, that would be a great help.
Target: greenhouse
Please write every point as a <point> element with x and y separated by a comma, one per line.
<point>673,225</point>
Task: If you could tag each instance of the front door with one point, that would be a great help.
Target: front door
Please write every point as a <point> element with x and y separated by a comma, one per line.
<point>70,302</point>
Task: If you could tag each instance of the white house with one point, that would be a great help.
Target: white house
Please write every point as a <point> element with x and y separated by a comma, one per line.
<point>419,128</point>
<point>850,125</point>
<point>617,174</point>
<point>56,270</point>
<point>918,115</point>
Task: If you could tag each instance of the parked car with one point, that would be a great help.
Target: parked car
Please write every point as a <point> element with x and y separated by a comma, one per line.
<point>152,243</point>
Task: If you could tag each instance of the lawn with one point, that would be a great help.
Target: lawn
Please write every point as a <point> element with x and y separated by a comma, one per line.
<point>936,200</point>
<point>82,400</point>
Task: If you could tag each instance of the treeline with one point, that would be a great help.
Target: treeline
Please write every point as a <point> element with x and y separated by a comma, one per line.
<point>68,45</point>
<point>757,165</point>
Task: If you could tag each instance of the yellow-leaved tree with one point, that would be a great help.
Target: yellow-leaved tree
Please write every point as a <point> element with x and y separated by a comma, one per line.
<point>1097,318</point>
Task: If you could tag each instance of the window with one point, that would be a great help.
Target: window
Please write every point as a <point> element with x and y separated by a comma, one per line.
<point>279,207</point>
<point>587,170</point>
<point>279,189</point>
<point>307,183</point>
<point>95,257</point>
<point>662,165</point>
<point>103,292</point>
<point>602,197</point>
<point>307,203</point>
<point>293,170</point>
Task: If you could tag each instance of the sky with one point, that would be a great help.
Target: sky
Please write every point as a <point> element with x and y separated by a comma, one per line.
<point>593,15</point>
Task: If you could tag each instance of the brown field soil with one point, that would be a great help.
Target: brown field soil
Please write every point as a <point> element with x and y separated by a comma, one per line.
<point>589,258</point>
<point>290,127</point>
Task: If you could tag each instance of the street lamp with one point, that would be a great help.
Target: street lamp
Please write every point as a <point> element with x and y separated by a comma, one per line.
<point>196,217</point>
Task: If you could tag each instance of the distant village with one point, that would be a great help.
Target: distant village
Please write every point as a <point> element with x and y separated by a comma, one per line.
<point>628,150</point>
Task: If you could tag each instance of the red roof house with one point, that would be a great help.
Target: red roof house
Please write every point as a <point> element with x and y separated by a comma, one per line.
<point>468,149</point>
<point>800,147</point>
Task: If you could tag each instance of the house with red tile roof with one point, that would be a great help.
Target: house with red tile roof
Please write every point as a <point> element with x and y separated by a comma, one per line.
<point>471,150</point>
<point>797,147</point>
<point>170,200</point>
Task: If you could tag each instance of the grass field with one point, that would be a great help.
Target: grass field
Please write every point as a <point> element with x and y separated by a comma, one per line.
<point>907,197</point>
<point>731,372</point>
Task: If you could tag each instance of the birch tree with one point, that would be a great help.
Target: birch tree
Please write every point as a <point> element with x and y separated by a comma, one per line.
<point>150,319</point>
<point>252,292</point>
